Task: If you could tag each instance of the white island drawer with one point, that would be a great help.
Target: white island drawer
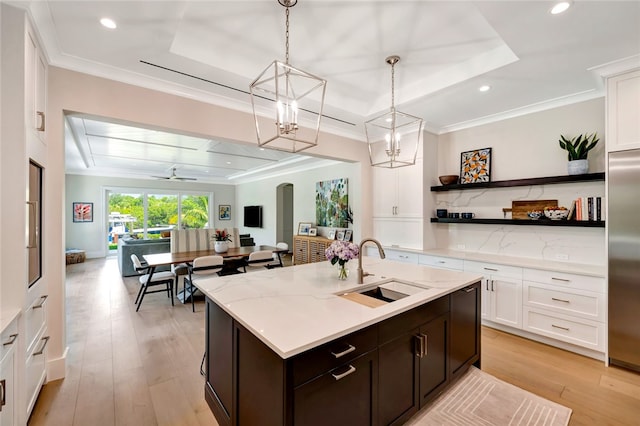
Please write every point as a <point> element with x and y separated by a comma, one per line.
<point>585,333</point>
<point>584,304</point>
<point>441,262</point>
<point>574,281</point>
<point>35,370</point>
<point>34,318</point>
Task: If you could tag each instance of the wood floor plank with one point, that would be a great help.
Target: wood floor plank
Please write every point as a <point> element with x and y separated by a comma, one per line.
<point>171,404</point>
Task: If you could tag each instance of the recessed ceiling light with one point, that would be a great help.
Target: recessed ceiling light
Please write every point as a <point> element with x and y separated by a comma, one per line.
<point>560,7</point>
<point>228,162</point>
<point>108,23</point>
<point>484,88</point>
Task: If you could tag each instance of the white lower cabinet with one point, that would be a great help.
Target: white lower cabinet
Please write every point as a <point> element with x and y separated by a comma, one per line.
<point>8,375</point>
<point>441,262</point>
<point>501,292</point>
<point>35,371</point>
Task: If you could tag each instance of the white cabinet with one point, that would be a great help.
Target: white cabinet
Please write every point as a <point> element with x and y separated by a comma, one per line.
<point>623,111</point>
<point>8,375</point>
<point>501,292</point>
<point>399,232</point>
<point>35,86</point>
<point>567,307</point>
<point>398,192</point>
<point>441,262</point>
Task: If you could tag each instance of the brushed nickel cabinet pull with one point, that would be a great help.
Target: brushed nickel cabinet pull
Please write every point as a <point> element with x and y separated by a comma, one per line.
<point>419,345</point>
<point>425,344</point>
<point>44,345</point>
<point>560,300</point>
<point>12,338</point>
<point>351,369</point>
<point>351,348</point>
<point>492,285</point>
<point>41,127</point>
<point>561,328</point>
<point>469,289</point>
<point>561,279</point>
<point>490,269</point>
<point>42,300</point>
<point>33,232</point>
<point>3,392</point>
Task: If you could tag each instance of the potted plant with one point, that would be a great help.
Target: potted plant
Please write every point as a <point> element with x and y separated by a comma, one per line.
<point>222,239</point>
<point>578,148</point>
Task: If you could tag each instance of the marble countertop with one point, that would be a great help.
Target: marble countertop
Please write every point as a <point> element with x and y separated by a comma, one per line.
<point>523,262</point>
<point>7,318</point>
<point>297,308</point>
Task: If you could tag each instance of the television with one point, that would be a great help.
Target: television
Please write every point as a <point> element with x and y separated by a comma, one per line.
<point>253,216</point>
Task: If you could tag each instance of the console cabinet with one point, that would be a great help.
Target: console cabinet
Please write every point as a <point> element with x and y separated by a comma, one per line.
<point>379,375</point>
<point>309,249</point>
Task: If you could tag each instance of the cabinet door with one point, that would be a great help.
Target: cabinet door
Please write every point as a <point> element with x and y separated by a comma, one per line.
<point>623,111</point>
<point>506,301</point>
<point>7,390</point>
<point>465,328</point>
<point>300,251</point>
<point>398,372</point>
<point>316,251</point>
<point>40,95</point>
<point>409,190</point>
<point>343,396</point>
<point>485,311</point>
<point>433,362</point>
<point>385,191</point>
<point>220,356</point>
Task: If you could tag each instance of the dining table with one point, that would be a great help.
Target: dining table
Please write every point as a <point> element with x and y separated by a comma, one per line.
<point>232,260</point>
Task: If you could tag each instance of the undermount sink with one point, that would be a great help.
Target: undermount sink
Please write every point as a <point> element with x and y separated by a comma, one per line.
<point>383,292</point>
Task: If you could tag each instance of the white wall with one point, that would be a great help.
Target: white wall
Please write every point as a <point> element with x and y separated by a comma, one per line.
<point>91,236</point>
<point>304,191</point>
<point>524,147</point>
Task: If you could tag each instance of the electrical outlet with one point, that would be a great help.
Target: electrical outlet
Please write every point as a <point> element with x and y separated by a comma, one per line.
<point>562,256</point>
<point>461,246</point>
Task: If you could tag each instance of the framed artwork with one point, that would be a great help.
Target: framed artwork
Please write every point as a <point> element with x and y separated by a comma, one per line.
<point>475,166</point>
<point>332,203</point>
<point>347,235</point>
<point>332,234</point>
<point>340,236</point>
<point>224,212</point>
<point>313,232</point>
<point>83,212</point>
<point>303,228</point>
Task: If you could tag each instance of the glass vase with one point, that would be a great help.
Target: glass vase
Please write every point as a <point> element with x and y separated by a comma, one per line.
<point>343,272</point>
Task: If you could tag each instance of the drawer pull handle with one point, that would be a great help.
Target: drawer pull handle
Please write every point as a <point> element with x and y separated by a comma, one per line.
<point>351,348</point>
<point>3,393</point>
<point>560,300</point>
<point>420,345</point>
<point>469,289</point>
<point>561,279</point>
<point>42,300</point>
<point>561,328</point>
<point>40,114</point>
<point>12,338</point>
<point>490,269</point>
<point>351,369</point>
<point>41,351</point>
<point>441,261</point>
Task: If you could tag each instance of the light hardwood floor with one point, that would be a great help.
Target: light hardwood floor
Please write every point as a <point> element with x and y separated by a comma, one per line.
<point>142,368</point>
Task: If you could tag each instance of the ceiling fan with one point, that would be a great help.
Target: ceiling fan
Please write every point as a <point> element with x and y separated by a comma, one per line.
<point>173,176</point>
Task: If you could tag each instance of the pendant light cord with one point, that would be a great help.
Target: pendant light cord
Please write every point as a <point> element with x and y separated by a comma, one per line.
<point>286,36</point>
<point>393,84</point>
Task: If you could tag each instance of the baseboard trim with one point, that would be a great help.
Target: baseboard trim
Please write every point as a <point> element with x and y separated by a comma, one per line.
<point>57,368</point>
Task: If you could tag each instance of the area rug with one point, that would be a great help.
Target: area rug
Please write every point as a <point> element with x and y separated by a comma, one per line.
<point>478,398</point>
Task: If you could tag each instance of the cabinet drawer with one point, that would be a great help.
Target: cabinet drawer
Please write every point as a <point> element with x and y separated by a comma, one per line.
<point>9,339</point>
<point>34,319</point>
<point>582,282</point>
<point>441,262</point>
<point>493,269</point>
<point>397,255</point>
<point>589,334</point>
<point>35,371</point>
<point>584,304</point>
<point>331,355</point>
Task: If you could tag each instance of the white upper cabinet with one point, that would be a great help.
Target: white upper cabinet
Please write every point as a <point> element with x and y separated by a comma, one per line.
<point>623,111</point>
<point>398,192</point>
<point>35,86</point>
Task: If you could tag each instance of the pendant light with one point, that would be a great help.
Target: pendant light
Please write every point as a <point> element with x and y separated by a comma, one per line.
<point>287,94</point>
<point>393,137</point>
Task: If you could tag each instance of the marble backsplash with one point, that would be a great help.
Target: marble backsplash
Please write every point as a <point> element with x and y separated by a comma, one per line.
<point>557,243</point>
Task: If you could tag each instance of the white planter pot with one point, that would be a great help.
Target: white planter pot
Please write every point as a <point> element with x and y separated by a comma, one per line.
<point>221,246</point>
<point>578,167</point>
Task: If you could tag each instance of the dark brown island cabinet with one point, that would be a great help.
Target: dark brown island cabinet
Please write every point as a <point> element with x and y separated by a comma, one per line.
<point>380,375</point>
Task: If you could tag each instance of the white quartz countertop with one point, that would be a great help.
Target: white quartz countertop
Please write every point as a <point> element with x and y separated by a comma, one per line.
<point>7,318</point>
<point>297,308</point>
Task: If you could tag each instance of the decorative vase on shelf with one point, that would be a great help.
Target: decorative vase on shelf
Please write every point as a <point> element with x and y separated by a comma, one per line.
<point>221,246</point>
<point>578,167</point>
<point>343,272</point>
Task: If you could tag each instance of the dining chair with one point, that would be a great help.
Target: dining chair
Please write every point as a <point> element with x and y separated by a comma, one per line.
<point>157,278</point>
<point>277,256</point>
<point>258,259</point>
<point>201,267</point>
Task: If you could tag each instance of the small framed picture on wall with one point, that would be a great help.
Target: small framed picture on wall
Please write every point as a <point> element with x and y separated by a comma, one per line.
<point>224,212</point>
<point>83,212</point>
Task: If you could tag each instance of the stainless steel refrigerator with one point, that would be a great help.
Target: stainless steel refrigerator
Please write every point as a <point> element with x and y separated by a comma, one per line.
<point>624,258</point>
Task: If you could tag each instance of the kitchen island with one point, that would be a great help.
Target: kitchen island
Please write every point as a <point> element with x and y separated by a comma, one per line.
<point>292,346</point>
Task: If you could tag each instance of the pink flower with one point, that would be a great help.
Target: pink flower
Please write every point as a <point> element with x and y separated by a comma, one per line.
<point>341,252</point>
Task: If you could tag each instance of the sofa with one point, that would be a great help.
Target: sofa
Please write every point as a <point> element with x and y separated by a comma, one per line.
<point>129,246</point>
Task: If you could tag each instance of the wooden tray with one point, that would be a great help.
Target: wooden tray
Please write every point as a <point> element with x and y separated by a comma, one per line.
<point>519,209</point>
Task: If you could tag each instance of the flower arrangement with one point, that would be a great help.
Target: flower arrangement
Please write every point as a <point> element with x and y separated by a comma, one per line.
<point>341,252</point>
<point>221,235</point>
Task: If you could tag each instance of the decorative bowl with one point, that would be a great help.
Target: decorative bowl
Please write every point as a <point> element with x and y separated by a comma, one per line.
<point>448,179</point>
<point>556,214</point>
<point>535,214</point>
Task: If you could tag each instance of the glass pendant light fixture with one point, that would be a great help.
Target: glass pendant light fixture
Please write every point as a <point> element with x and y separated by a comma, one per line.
<point>393,137</point>
<point>287,94</point>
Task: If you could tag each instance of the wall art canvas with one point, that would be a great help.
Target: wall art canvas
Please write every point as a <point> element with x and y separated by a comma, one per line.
<point>475,166</point>
<point>83,212</point>
<point>332,203</point>
<point>224,212</point>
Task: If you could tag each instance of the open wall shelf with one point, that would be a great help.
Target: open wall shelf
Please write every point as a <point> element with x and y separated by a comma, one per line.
<point>522,182</point>
<point>539,222</point>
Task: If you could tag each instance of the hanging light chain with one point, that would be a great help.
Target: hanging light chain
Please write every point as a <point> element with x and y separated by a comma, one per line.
<point>286,36</point>
<point>393,85</point>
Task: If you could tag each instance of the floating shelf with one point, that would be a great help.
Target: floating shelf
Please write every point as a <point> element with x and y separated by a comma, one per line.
<point>521,182</point>
<point>539,222</point>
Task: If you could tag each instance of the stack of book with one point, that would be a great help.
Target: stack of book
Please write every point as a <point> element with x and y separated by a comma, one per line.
<point>586,208</point>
